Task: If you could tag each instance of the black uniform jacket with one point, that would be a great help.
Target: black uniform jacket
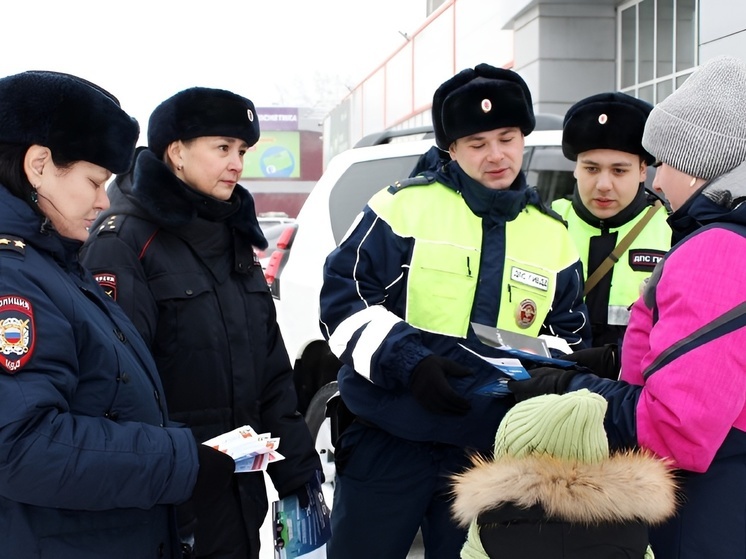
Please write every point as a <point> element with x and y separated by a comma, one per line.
<point>182,266</point>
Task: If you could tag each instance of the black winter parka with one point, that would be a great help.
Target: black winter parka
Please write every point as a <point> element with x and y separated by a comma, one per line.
<point>182,266</point>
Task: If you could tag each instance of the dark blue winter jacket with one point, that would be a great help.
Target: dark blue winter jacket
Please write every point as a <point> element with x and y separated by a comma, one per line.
<point>89,466</point>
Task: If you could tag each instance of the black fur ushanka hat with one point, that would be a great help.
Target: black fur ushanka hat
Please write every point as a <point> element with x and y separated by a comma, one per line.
<point>481,99</point>
<point>611,120</point>
<point>201,111</point>
<point>73,117</point>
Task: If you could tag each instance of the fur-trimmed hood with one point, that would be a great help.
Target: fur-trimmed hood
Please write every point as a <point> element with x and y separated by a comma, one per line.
<point>630,486</point>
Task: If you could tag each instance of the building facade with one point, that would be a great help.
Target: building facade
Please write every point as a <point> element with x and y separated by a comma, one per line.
<point>283,166</point>
<point>564,50</point>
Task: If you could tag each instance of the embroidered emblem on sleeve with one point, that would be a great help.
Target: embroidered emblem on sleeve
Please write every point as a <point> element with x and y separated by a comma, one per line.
<point>108,283</point>
<point>16,332</point>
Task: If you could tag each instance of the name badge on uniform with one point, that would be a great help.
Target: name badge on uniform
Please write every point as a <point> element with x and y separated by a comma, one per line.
<point>529,278</point>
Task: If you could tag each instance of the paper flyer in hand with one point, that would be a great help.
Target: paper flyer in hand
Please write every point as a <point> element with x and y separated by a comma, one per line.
<point>511,369</point>
<point>302,531</point>
<point>251,451</point>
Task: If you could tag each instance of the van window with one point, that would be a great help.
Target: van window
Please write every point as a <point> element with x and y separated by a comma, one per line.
<point>550,172</point>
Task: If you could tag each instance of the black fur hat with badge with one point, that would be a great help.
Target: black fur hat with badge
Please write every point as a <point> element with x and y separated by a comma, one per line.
<point>202,111</point>
<point>611,120</point>
<point>76,119</point>
<point>481,99</point>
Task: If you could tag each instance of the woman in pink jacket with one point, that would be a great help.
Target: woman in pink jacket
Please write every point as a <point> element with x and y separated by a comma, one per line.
<point>683,388</point>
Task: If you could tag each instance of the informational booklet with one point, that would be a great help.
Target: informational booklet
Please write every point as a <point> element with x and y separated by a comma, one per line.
<point>513,340</point>
<point>302,531</point>
<point>511,369</point>
<point>251,451</point>
<point>517,350</point>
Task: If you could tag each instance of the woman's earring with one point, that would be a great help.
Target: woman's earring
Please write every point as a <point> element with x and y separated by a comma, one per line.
<point>179,167</point>
<point>35,195</point>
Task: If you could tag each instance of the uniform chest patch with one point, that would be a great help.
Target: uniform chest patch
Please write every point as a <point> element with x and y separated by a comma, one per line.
<point>644,259</point>
<point>529,278</point>
<point>16,332</point>
<point>108,283</point>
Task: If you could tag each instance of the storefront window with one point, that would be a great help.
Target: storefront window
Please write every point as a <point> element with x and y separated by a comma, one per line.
<point>657,46</point>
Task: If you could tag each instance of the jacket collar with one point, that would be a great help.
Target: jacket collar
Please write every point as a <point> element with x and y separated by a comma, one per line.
<point>638,204</point>
<point>170,203</point>
<point>494,206</point>
<point>19,219</point>
<point>719,200</point>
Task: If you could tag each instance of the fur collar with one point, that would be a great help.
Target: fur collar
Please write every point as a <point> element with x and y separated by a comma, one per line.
<point>172,204</point>
<point>627,486</point>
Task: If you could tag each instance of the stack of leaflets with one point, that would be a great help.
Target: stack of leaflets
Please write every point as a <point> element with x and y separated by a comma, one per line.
<point>251,451</point>
<point>302,530</point>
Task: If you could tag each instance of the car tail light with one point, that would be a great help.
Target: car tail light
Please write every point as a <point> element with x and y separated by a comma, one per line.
<point>286,237</point>
<point>279,258</point>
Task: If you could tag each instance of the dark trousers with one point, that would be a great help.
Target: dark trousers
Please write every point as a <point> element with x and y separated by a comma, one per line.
<point>386,489</point>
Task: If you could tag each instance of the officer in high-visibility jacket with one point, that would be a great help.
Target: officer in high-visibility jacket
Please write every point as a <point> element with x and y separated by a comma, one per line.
<point>603,135</point>
<point>464,242</point>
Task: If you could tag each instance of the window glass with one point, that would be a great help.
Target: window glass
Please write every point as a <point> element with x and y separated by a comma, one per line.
<point>664,41</point>
<point>551,173</point>
<point>646,94</point>
<point>685,34</point>
<point>646,14</point>
<point>663,90</point>
<point>629,43</point>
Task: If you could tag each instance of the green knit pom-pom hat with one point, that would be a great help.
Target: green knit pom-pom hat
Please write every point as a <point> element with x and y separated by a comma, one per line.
<point>567,426</point>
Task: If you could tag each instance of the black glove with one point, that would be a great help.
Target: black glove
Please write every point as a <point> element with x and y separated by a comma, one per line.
<point>544,380</point>
<point>604,360</point>
<point>430,386</point>
<point>215,474</point>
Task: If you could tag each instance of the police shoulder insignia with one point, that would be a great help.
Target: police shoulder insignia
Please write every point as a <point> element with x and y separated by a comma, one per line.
<point>16,244</point>
<point>108,282</point>
<point>16,332</point>
<point>111,224</point>
<point>419,180</point>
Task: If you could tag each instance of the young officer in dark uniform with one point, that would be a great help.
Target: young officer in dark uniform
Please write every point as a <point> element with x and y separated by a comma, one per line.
<point>176,251</point>
<point>90,465</point>
<point>603,135</point>
<point>468,241</point>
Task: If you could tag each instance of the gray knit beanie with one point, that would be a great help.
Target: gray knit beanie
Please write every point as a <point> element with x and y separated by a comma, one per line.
<point>700,129</point>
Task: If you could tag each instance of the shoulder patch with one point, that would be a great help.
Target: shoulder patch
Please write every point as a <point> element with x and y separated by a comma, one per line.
<point>419,180</point>
<point>111,224</point>
<point>17,337</point>
<point>16,244</point>
<point>108,282</point>
<point>644,259</point>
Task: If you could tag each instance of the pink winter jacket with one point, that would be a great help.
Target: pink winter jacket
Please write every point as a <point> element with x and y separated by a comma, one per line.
<point>687,407</point>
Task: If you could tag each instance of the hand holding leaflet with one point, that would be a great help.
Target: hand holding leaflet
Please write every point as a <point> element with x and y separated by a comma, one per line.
<point>251,451</point>
<point>511,369</point>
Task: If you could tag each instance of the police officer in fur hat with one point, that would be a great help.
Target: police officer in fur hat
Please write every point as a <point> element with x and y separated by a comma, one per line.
<point>464,241</point>
<point>90,464</point>
<point>611,211</point>
<point>176,252</point>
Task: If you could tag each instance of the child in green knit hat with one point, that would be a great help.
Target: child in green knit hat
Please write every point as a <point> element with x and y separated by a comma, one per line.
<point>553,490</point>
